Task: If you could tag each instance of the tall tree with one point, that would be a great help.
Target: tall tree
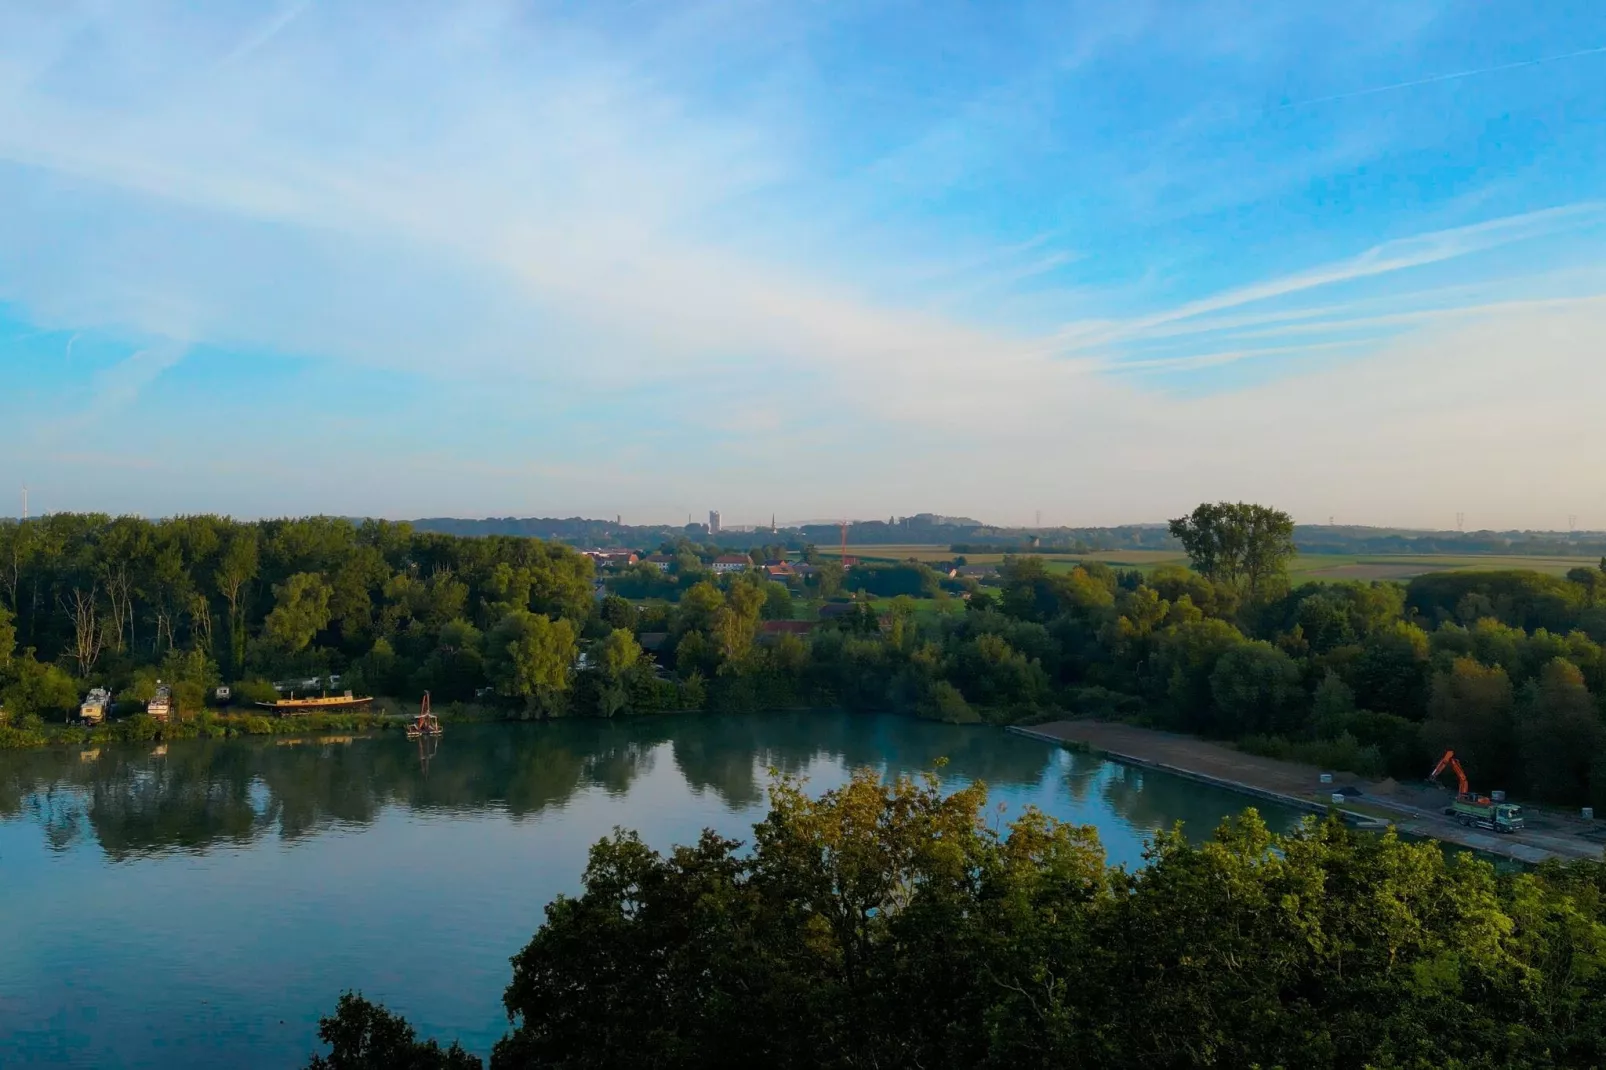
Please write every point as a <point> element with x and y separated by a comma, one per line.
<point>1246,546</point>
<point>237,567</point>
<point>1470,711</point>
<point>1560,738</point>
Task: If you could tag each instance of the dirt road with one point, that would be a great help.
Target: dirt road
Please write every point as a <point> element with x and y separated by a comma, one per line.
<point>1412,808</point>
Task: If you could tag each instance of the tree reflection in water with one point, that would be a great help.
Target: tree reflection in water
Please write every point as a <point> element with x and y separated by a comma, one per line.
<point>205,793</point>
<point>136,801</point>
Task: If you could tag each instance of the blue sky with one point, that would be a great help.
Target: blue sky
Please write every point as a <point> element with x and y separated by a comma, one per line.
<point>1100,261</point>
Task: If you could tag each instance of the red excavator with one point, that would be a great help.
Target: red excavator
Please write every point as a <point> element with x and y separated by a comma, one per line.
<point>1451,762</point>
<point>1476,810</point>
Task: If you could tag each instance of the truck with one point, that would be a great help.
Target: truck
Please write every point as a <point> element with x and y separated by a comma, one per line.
<point>1476,811</point>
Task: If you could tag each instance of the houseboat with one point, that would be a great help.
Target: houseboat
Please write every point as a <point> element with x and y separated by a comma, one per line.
<point>161,707</point>
<point>292,706</point>
<point>94,707</point>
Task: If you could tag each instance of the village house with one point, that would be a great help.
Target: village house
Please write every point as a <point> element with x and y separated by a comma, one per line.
<point>661,562</point>
<point>732,563</point>
<point>610,558</point>
<point>833,610</point>
<point>770,631</point>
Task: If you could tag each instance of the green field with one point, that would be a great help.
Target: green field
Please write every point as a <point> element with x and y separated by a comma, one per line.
<point>1305,567</point>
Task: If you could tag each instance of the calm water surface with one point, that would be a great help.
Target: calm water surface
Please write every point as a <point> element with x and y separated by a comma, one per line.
<point>200,906</point>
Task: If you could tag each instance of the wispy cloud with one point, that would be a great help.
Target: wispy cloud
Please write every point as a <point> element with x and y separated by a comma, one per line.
<point>723,231</point>
<point>1389,257</point>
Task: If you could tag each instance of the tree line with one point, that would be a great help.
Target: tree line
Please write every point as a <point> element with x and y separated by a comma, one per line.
<point>891,925</point>
<point>966,535</point>
<point>1507,667</point>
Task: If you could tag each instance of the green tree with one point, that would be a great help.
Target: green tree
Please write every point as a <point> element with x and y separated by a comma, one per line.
<point>619,653</point>
<point>1257,689</point>
<point>1246,546</point>
<point>778,602</point>
<point>698,606</point>
<point>365,1036</point>
<point>1559,734</point>
<point>31,687</point>
<point>618,613</point>
<point>300,612</point>
<point>1470,711</point>
<point>530,657</point>
<point>236,568</point>
<point>1391,672</point>
<point>893,924</point>
<point>1184,661</point>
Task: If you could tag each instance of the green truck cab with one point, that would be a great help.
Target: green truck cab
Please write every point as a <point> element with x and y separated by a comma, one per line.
<point>1486,814</point>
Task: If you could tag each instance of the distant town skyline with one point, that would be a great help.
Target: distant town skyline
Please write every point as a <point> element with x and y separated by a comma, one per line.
<point>1102,261</point>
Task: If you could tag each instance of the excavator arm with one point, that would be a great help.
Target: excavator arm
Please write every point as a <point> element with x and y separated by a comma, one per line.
<point>1449,761</point>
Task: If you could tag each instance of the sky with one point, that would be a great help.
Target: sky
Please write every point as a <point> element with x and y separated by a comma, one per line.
<point>1093,261</point>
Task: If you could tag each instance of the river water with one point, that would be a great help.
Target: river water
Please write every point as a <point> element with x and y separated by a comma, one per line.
<point>200,905</point>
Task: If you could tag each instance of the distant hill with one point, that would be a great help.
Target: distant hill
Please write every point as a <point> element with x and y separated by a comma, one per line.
<point>930,529</point>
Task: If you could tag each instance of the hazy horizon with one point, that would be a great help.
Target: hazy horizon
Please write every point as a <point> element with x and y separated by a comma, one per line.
<point>1098,261</point>
<point>745,525</point>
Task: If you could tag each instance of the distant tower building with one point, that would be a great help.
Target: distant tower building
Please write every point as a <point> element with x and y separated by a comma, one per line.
<point>713,521</point>
<point>773,528</point>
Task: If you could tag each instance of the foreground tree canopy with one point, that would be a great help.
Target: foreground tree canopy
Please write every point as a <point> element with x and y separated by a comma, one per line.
<point>888,925</point>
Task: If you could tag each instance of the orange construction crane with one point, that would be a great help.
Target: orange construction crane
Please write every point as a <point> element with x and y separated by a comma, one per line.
<point>1451,762</point>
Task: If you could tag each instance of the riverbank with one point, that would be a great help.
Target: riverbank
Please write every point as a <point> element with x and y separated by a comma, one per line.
<point>229,722</point>
<point>1413,810</point>
<point>209,725</point>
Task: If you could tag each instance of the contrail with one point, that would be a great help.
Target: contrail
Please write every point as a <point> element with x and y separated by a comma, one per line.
<point>266,33</point>
<point>1441,78</point>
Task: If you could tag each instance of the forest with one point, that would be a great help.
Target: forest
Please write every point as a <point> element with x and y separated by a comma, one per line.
<point>1374,677</point>
<point>893,925</point>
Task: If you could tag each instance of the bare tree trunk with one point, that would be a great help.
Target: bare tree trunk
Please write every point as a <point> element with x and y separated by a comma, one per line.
<point>201,623</point>
<point>87,634</point>
<point>164,627</point>
<point>231,592</point>
<point>119,589</point>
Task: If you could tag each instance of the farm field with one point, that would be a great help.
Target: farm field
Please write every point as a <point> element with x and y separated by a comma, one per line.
<point>1304,567</point>
<point>1119,558</point>
<point>1407,566</point>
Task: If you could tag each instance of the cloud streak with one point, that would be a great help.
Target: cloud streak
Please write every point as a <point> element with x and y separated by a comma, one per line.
<point>1436,79</point>
<point>665,232</point>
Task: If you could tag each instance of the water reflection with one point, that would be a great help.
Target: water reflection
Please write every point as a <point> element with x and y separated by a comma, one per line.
<point>195,795</point>
<point>256,878</point>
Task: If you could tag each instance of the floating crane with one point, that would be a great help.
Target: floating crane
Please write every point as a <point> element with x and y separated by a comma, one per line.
<point>426,724</point>
<point>1476,810</point>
